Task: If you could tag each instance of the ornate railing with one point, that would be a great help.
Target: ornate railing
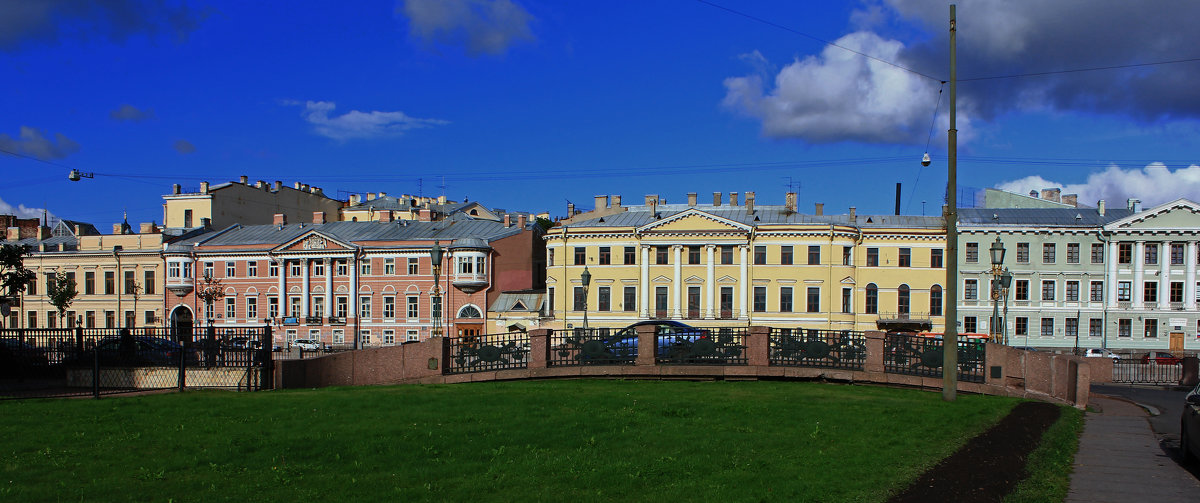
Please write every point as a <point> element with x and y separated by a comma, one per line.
<point>840,349</point>
<point>912,354</point>
<point>477,353</point>
<point>701,346</point>
<point>593,347</point>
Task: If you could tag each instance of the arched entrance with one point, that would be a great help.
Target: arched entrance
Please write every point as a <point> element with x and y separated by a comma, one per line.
<point>470,321</point>
<point>181,323</point>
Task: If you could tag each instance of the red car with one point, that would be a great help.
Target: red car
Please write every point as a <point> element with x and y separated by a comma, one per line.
<point>1161,358</point>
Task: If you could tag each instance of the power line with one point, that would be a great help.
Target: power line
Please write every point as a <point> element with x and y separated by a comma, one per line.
<point>1077,70</point>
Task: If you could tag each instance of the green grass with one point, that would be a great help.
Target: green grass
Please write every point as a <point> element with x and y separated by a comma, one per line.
<point>588,440</point>
<point>1049,466</point>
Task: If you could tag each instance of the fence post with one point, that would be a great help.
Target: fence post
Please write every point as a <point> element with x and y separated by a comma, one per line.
<point>268,361</point>
<point>647,345</point>
<point>539,348</point>
<point>875,351</point>
<point>758,346</point>
<point>183,364</point>
<point>95,370</point>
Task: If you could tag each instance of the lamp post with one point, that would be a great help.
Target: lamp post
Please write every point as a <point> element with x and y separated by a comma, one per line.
<point>997,252</point>
<point>1005,282</point>
<point>118,284</point>
<point>586,277</point>
<point>435,258</point>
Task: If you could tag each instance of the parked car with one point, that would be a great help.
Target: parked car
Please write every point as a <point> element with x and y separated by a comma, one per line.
<point>1189,427</point>
<point>242,343</point>
<point>19,358</point>
<point>1101,353</point>
<point>307,344</point>
<point>1161,358</point>
<point>138,351</point>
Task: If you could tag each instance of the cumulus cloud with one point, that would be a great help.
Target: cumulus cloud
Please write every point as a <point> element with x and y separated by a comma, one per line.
<point>355,124</point>
<point>129,112</point>
<point>1153,184</point>
<point>34,143</point>
<point>22,211</point>
<point>22,22</point>
<point>481,26</point>
<point>184,147</point>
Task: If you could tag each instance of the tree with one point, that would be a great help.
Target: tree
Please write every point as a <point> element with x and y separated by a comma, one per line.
<point>62,292</point>
<point>210,291</point>
<point>14,277</point>
<point>544,223</point>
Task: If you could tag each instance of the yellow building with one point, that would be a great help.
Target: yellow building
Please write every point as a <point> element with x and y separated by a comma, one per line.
<point>242,203</point>
<point>738,264</point>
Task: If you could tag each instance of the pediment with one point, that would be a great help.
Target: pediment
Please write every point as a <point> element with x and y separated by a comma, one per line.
<point>848,280</point>
<point>313,241</point>
<point>661,279</point>
<point>727,279</point>
<point>693,220</point>
<point>694,279</point>
<point>1177,215</point>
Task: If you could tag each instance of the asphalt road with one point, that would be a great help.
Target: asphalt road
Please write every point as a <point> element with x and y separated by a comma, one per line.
<point>1165,404</point>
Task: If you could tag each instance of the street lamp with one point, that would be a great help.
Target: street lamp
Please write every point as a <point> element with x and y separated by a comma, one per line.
<point>1005,282</point>
<point>586,277</point>
<point>997,251</point>
<point>435,258</point>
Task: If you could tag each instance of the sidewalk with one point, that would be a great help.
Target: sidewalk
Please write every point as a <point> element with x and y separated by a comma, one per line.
<point>1119,459</point>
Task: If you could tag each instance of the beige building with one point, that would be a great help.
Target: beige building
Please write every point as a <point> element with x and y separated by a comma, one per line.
<point>242,203</point>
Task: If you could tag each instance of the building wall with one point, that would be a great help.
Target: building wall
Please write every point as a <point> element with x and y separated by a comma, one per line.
<point>247,205</point>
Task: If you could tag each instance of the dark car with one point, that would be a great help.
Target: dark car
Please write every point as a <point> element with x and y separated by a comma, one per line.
<point>18,358</point>
<point>139,351</point>
<point>1189,426</point>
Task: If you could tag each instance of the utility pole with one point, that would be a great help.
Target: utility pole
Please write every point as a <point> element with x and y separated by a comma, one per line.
<point>950,339</point>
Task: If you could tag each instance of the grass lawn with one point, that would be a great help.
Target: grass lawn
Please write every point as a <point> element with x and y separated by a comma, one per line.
<point>591,440</point>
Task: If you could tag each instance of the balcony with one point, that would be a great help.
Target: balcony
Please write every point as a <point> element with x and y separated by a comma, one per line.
<point>180,286</point>
<point>337,320</point>
<point>312,320</point>
<point>469,282</point>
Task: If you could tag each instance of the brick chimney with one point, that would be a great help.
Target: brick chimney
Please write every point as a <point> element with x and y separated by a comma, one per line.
<point>13,233</point>
<point>733,198</point>
<point>716,198</point>
<point>43,232</point>
<point>78,230</point>
<point>280,219</point>
<point>521,221</point>
<point>278,185</point>
<point>601,202</point>
<point>616,201</point>
<point>176,189</point>
<point>750,202</point>
<point>203,187</point>
<point>853,216</point>
<point>245,180</point>
<point>507,220</point>
<point>385,216</point>
<point>1100,207</point>
<point>691,198</point>
<point>148,228</point>
<point>789,201</point>
<point>297,185</point>
<point>116,228</point>
<point>318,217</point>
<point>425,215</point>
<point>820,209</point>
<point>570,210</point>
<point>1071,199</point>
<point>1051,194</point>
<point>651,199</point>
<point>354,199</point>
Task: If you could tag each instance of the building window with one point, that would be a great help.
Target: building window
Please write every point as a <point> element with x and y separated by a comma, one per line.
<point>1048,288</point>
<point>847,300</point>
<point>630,299</point>
<point>33,320</point>
<point>110,282</point>
<point>630,255</point>
<point>251,308</point>
<point>847,254</point>
<point>579,303</point>
<point>1124,327</point>
<point>230,308</point>
<point>903,300</point>
<point>970,325</point>
<point>1150,291</point>
<point>1072,253</point>
<point>935,259</point>
<point>342,268</point>
<point>726,254</point>
<point>760,255</point>
<point>872,299</point>
<point>1071,329</point>
<point>364,306</point>
<point>414,266</point>
<point>364,336</point>
<point>1124,291</point>
<point>660,301</point>
<point>1176,253</point>
<point>130,282</point>
<point>935,300</point>
<point>389,266</point>
<point>1151,328</point>
<point>89,319</point>
<point>339,336</point>
<point>785,299</point>
<point>604,299</point>
<point>318,307</point>
<point>970,289</point>
<point>389,307</point>
<point>149,317</point>
<point>173,269</point>
<point>51,319</point>
<point>760,299</point>
<point>341,306</point>
<point>230,269</point>
<point>1176,292</point>
<point>89,283</point>
<point>1047,327</point>
<point>550,306</point>
<point>580,256</point>
<point>814,255</point>
<point>550,257</point>
<point>130,319</point>
<point>413,310</point>
<point>389,337</point>
<point>294,267</point>
<point>273,307</point>
<point>1022,290</point>
<point>1151,254</point>
<point>814,299</point>
<point>1095,327</point>
<point>1023,253</point>
<point>187,219</point>
<point>1072,291</point>
<point>252,269</point>
<point>273,269</point>
<point>1021,326</point>
<point>785,255</point>
<point>661,256</point>
<point>605,255</point>
<point>972,252</point>
<point>412,336</point>
<point>726,302</point>
<point>872,257</point>
<point>1097,253</point>
<point>693,302</point>
<point>1124,253</point>
<point>693,255</point>
<point>1048,253</point>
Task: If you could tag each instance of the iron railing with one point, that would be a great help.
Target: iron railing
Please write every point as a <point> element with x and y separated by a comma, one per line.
<point>594,346</point>
<point>476,353</point>
<point>700,345</point>
<point>1137,371</point>
<point>912,354</point>
<point>839,349</point>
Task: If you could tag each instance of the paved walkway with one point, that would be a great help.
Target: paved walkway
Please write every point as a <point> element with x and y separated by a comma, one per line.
<point>1119,459</point>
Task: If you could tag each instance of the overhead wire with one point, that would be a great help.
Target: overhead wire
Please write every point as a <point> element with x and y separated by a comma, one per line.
<point>928,140</point>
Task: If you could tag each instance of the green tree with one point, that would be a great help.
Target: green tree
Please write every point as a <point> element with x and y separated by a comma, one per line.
<point>14,277</point>
<point>62,292</point>
<point>210,291</point>
<point>544,223</point>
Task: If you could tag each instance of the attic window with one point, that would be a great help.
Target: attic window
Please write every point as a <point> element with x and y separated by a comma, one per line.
<point>601,220</point>
<point>870,221</point>
<point>756,218</point>
<point>519,306</point>
<point>474,213</point>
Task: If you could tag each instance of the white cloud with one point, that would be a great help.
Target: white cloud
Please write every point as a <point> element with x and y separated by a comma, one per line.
<point>1154,184</point>
<point>482,26</point>
<point>355,124</point>
<point>22,211</point>
<point>129,112</point>
<point>33,143</point>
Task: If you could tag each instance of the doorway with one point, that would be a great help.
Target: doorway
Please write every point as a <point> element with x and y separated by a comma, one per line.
<point>1176,342</point>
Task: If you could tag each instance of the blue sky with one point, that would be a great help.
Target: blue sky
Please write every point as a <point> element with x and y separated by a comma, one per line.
<point>526,105</point>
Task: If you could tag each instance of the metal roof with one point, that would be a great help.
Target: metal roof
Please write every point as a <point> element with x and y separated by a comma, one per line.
<point>532,301</point>
<point>446,230</point>
<point>1040,217</point>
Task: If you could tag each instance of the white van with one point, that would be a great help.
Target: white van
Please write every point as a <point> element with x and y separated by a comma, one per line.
<point>307,344</point>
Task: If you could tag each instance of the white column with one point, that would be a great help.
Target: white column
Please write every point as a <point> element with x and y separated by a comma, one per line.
<point>644,286</point>
<point>352,301</point>
<point>1139,269</point>
<point>677,284</point>
<point>283,306</point>
<point>329,269</point>
<point>1189,285</point>
<point>1164,276</point>
<point>710,284</point>
<point>1110,280</point>
<point>304,288</point>
<point>744,284</point>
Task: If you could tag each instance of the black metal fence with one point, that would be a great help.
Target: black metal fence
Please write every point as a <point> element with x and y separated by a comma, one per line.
<point>912,354</point>
<point>477,353</point>
<point>593,346</point>
<point>798,347</point>
<point>700,346</point>
<point>1138,371</point>
<point>99,361</point>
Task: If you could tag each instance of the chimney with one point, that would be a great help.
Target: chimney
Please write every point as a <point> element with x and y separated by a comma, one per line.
<point>278,185</point>
<point>601,202</point>
<point>507,220</point>
<point>789,201</point>
<point>245,180</point>
<point>425,215</point>
<point>318,217</point>
<point>260,185</point>
<point>1100,207</point>
<point>733,199</point>
<point>297,185</point>
<point>521,221</point>
<point>1071,199</point>
<point>176,189</point>
<point>382,195</point>
<point>716,198</point>
<point>897,198</point>
<point>651,199</point>
<point>820,209</point>
<point>570,210</point>
<point>441,200</point>
<point>370,196</point>
<point>13,233</point>
<point>116,228</point>
<point>1135,205</point>
<point>691,198</point>
<point>43,232</point>
<point>355,199</point>
<point>750,203</point>
<point>206,223</point>
<point>616,201</point>
<point>78,230</point>
<point>317,191</point>
<point>853,216</point>
<point>304,187</point>
<point>280,219</point>
<point>148,228</point>
<point>385,216</point>
<point>1052,194</point>
<point>203,187</point>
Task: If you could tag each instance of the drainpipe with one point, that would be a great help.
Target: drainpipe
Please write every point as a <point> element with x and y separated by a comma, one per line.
<point>831,287</point>
<point>1104,303</point>
<point>353,301</point>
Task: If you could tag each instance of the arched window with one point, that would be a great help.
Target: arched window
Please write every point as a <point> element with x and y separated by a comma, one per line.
<point>935,300</point>
<point>469,312</point>
<point>903,300</point>
<point>872,306</point>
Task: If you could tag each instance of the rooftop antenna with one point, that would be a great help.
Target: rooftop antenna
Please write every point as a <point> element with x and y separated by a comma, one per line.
<point>794,185</point>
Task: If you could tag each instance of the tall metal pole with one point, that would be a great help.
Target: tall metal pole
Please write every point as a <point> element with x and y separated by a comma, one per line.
<point>950,340</point>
